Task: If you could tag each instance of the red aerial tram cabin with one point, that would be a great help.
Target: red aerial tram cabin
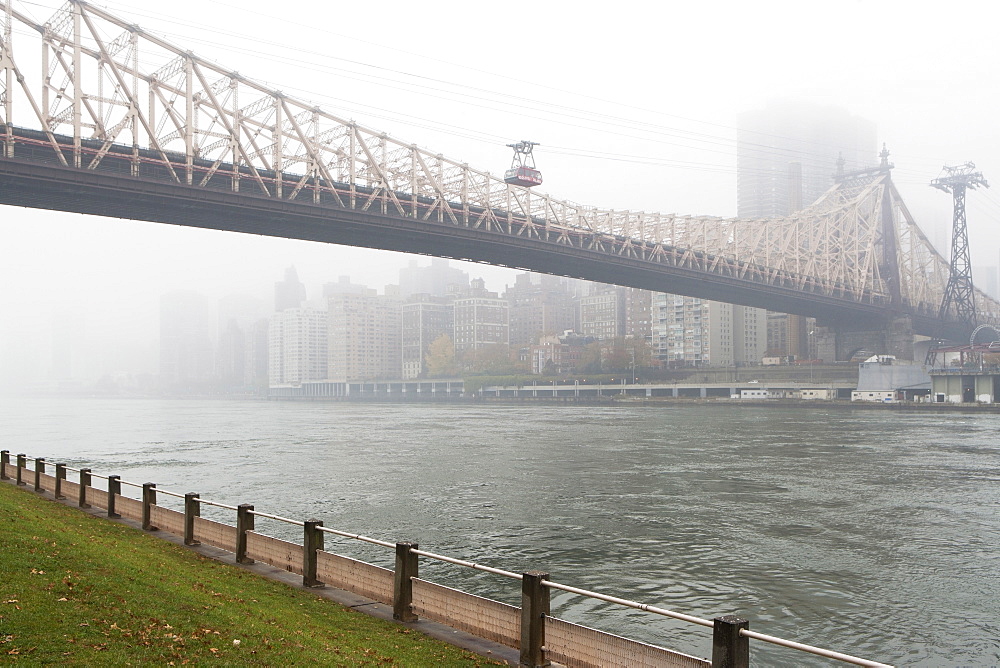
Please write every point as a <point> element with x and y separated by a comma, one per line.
<point>522,170</point>
<point>523,176</point>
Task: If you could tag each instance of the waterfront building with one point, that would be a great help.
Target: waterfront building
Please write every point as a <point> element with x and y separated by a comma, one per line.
<point>602,312</point>
<point>696,332</point>
<point>423,319</point>
<point>364,337</point>
<point>883,378</point>
<point>297,346</point>
<point>481,319</point>
<point>966,374</point>
<point>789,335</point>
<point>639,314</point>
<point>558,354</point>
<point>540,305</point>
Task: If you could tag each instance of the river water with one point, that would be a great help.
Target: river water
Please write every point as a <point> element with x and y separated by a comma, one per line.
<point>873,533</point>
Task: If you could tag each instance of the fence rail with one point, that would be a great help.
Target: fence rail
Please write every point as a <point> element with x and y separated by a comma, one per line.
<point>540,637</point>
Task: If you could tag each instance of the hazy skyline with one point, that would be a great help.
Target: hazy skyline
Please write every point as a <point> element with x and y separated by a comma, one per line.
<point>634,109</point>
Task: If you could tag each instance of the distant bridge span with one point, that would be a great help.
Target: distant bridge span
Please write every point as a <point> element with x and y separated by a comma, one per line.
<point>175,139</point>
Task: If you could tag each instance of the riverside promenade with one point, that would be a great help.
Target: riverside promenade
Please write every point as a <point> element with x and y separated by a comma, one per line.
<point>539,638</point>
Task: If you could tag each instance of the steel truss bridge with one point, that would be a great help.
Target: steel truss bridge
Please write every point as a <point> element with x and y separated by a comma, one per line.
<point>114,121</point>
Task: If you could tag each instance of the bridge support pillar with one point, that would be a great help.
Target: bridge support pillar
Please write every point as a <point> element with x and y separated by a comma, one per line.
<point>841,344</point>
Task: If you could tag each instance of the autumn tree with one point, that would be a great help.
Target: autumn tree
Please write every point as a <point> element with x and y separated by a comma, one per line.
<point>440,358</point>
<point>590,358</point>
<point>492,359</point>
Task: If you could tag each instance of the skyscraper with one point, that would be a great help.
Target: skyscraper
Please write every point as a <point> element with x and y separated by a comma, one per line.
<point>788,153</point>
<point>289,293</point>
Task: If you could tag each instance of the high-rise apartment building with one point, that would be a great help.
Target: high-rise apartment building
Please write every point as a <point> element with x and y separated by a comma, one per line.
<point>481,319</point>
<point>789,335</point>
<point>540,305</point>
<point>297,346</point>
<point>423,319</point>
<point>697,332</point>
<point>737,334</point>
<point>639,314</point>
<point>602,312</point>
<point>364,337</point>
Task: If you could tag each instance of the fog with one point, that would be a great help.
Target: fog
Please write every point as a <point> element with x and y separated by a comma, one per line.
<point>635,107</point>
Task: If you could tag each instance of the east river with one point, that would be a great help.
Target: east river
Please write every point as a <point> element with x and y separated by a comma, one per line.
<point>873,533</point>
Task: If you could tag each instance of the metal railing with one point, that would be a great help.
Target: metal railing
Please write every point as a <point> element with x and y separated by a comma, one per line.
<point>731,635</point>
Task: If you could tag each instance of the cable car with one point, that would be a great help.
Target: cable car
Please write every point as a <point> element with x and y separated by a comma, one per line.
<point>522,170</point>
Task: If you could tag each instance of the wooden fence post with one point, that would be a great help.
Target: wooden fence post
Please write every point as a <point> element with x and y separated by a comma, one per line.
<point>729,648</point>
<point>4,462</point>
<point>534,610</point>
<point>60,476</point>
<point>84,484</point>
<point>22,464</point>
<point>192,509</point>
<point>407,568</point>
<point>148,501</point>
<point>244,523</point>
<point>114,489</point>
<point>311,542</point>
<point>39,470</point>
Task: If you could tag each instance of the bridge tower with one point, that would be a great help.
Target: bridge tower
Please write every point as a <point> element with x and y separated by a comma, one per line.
<point>960,294</point>
<point>842,341</point>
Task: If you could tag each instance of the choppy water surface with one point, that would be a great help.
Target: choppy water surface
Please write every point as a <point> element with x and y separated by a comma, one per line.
<point>867,532</point>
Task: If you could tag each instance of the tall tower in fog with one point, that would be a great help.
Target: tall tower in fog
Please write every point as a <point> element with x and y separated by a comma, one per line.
<point>289,293</point>
<point>787,154</point>
<point>185,343</point>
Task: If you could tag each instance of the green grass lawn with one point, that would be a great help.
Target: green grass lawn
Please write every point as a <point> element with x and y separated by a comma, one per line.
<point>79,590</point>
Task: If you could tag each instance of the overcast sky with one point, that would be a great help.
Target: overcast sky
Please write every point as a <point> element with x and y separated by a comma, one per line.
<point>634,104</point>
